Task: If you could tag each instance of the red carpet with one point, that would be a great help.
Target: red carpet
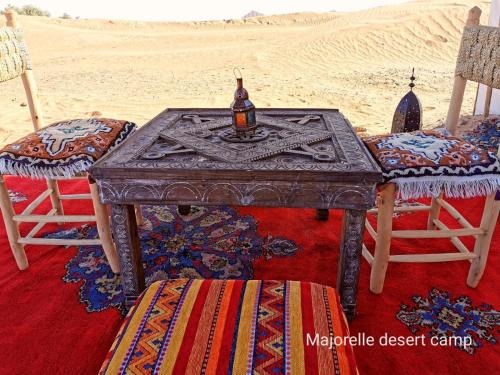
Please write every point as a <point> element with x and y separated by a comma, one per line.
<point>45,329</point>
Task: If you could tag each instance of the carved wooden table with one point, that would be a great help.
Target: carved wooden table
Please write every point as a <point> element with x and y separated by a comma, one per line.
<point>296,158</point>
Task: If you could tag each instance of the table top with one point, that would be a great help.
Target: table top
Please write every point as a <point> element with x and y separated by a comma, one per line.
<point>289,145</point>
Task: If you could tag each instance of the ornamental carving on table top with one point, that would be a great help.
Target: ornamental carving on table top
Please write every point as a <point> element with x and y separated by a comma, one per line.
<point>315,140</point>
<point>197,138</point>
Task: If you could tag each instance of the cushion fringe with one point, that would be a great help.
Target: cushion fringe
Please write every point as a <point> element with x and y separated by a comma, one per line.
<point>9,167</point>
<point>451,186</point>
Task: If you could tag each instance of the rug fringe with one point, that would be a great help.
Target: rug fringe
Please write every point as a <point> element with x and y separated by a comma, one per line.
<point>452,186</point>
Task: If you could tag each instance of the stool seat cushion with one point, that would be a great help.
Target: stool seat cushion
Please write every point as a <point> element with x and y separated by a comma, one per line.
<point>64,149</point>
<point>232,327</point>
<point>425,163</point>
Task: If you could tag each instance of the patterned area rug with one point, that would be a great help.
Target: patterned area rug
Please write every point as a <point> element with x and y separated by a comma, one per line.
<point>485,135</point>
<point>439,315</point>
<point>209,243</point>
<point>16,196</point>
<point>57,315</point>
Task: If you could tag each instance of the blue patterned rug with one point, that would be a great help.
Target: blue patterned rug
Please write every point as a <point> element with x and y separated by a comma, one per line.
<point>486,135</point>
<point>210,242</point>
<point>440,315</point>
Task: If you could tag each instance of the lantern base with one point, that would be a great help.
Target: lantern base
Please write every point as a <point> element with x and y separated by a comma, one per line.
<point>247,129</point>
<point>254,134</point>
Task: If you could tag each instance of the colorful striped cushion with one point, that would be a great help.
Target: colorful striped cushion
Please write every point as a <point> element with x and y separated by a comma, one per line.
<point>232,327</point>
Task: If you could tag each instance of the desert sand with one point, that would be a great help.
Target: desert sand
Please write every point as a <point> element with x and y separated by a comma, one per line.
<point>358,62</point>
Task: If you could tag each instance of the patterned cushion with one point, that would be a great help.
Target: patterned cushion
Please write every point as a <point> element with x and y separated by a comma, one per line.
<point>232,327</point>
<point>424,163</point>
<point>64,149</point>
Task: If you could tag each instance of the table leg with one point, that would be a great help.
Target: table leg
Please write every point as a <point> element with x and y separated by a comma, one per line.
<point>353,226</point>
<point>126,238</point>
<point>184,210</point>
<point>322,214</point>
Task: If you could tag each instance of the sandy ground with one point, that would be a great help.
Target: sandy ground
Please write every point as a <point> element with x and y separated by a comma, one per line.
<point>357,62</point>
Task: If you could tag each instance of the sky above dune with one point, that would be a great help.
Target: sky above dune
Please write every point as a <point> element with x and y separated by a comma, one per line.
<point>186,10</point>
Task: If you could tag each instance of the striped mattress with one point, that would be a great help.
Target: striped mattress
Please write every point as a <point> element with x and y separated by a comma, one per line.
<point>232,327</point>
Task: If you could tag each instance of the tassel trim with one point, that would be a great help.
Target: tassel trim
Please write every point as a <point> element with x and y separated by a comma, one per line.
<point>14,168</point>
<point>451,186</point>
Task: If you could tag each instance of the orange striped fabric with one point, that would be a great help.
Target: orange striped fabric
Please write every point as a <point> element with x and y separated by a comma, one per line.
<point>233,327</point>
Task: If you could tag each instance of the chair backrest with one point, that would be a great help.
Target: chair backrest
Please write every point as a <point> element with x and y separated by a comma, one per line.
<point>14,58</point>
<point>478,60</point>
<point>15,62</point>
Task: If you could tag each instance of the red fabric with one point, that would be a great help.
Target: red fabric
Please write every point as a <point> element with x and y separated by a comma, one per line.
<point>191,329</point>
<point>45,329</point>
<point>310,352</point>
<point>230,327</point>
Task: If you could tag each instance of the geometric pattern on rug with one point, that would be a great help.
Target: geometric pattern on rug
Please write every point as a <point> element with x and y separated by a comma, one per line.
<point>439,315</point>
<point>16,196</point>
<point>213,242</point>
<point>406,203</point>
<point>485,135</point>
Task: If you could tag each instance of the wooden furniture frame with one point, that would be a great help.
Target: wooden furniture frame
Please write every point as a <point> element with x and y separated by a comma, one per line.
<point>296,158</point>
<point>56,214</point>
<point>435,227</point>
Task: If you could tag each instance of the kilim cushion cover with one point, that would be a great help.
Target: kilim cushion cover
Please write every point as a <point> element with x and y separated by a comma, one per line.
<point>64,149</point>
<point>233,327</point>
<point>426,163</point>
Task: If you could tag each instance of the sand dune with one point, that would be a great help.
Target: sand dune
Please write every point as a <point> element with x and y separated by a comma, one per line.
<point>357,62</point>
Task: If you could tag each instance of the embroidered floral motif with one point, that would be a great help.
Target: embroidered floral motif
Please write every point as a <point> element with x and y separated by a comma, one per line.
<point>486,135</point>
<point>209,243</point>
<point>441,316</point>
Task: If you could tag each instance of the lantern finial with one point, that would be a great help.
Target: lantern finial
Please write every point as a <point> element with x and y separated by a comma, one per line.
<point>408,115</point>
<point>412,78</point>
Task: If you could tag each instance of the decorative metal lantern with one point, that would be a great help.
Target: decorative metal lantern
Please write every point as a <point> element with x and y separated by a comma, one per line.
<point>243,109</point>
<point>408,115</point>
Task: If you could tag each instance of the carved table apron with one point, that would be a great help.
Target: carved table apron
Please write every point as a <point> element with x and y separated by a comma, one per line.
<point>296,158</point>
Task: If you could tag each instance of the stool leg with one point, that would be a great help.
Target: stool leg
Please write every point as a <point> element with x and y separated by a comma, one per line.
<point>434,212</point>
<point>104,230</point>
<point>322,214</point>
<point>482,244</point>
<point>55,198</point>
<point>383,241</point>
<point>12,227</point>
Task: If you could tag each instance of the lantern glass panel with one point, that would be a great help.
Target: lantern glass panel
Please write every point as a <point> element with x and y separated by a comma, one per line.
<point>241,119</point>
<point>251,117</point>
